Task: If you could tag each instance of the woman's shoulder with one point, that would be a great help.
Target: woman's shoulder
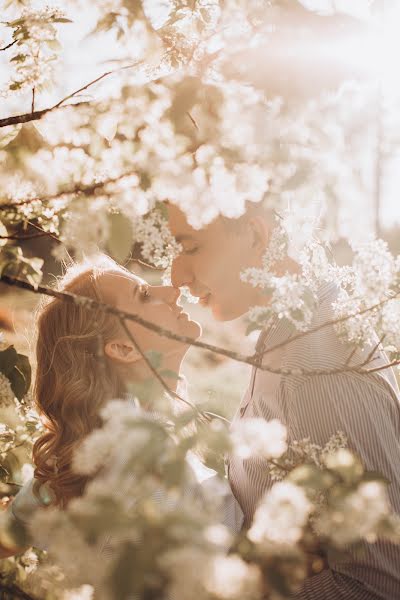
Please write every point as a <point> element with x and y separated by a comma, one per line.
<point>32,495</point>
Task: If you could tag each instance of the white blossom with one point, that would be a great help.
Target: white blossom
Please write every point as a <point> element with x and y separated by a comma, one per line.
<point>229,578</point>
<point>356,515</point>
<point>280,517</point>
<point>257,437</point>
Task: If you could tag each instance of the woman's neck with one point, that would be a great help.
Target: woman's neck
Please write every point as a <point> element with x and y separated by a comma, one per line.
<point>148,387</point>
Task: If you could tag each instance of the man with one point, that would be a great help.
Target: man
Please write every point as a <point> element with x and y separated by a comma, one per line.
<point>365,407</point>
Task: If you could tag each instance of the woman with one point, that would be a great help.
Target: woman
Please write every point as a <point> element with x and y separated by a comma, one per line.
<point>85,358</point>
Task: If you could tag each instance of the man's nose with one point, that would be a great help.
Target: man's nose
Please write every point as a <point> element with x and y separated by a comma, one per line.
<point>181,274</point>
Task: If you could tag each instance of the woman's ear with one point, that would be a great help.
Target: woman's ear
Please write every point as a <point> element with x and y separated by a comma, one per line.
<point>122,351</point>
<point>259,232</point>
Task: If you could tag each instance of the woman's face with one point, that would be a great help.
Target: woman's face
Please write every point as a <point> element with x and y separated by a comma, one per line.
<point>157,304</point>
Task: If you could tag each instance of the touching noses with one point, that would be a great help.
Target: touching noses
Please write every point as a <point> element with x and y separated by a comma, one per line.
<point>181,274</point>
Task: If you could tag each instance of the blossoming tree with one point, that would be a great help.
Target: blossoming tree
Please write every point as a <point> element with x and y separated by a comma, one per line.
<point>88,160</point>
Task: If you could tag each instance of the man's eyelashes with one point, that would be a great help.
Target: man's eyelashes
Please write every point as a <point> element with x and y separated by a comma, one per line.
<point>191,250</point>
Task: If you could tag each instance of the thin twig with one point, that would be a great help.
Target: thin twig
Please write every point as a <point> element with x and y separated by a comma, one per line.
<point>330,323</point>
<point>85,190</point>
<point>351,355</point>
<point>33,116</point>
<point>23,238</point>
<point>48,233</point>
<point>394,363</point>
<point>8,46</point>
<point>192,119</point>
<point>36,115</point>
<point>33,100</point>
<point>371,354</point>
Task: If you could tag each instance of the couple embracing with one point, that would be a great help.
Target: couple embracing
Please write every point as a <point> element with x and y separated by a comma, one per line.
<point>72,383</point>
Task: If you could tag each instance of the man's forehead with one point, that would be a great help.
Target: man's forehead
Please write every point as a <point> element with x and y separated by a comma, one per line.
<point>180,227</point>
<point>178,223</point>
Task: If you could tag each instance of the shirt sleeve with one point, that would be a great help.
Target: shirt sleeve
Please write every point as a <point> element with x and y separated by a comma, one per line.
<point>26,503</point>
<point>366,409</point>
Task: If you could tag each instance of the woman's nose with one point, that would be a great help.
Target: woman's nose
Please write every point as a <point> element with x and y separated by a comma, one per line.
<point>167,294</point>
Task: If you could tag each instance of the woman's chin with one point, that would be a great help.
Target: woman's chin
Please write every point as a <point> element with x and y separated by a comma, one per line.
<point>192,329</point>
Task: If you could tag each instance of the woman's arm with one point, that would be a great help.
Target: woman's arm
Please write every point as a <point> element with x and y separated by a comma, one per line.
<point>19,513</point>
<point>5,550</point>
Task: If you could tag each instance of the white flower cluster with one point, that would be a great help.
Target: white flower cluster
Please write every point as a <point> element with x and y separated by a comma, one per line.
<point>304,451</point>
<point>86,226</point>
<point>355,516</point>
<point>277,248</point>
<point>213,187</point>
<point>292,295</point>
<point>372,284</point>
<point>257,437</point>
<point>280,518</point>
<point>102,445</point>
<point>158,244</point>
<point>215,575</point>
<point>37,47</point>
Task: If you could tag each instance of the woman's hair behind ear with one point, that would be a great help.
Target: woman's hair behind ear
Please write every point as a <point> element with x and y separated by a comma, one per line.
<point>73,377</point>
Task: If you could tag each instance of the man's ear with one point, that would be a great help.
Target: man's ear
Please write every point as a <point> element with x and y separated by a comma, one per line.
<point>122,351</point>
<point>259,232</point>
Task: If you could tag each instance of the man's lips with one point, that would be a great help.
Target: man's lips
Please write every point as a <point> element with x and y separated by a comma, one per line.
<point>204,300</point>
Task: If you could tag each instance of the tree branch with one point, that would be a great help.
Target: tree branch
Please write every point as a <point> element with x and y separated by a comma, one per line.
<point>85,190</point>
<point>22,238</point>
<point>253,360</point>
<point>36,115</point>
<point>32,116</point>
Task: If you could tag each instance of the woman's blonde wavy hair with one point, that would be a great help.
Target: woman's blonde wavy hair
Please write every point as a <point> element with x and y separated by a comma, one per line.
<point>73,377</point>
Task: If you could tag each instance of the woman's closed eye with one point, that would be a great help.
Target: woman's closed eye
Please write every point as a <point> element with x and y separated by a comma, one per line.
<point>144,293</point>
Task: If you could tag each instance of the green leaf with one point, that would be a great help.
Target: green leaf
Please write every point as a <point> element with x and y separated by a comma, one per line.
<point>155,358</point>
<point>8,359</point>
<point>18,58</point>
<point>54,45</point>
<point>121,237</point>
<point>7,135</point>
<point>167,373</point>
<point>162,208</point>
<point>62,20</point>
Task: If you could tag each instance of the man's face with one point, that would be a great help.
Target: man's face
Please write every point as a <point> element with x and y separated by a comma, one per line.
<point>211,261</point>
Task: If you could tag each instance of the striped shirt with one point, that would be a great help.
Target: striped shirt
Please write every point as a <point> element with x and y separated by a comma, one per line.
<point>365,407</point>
